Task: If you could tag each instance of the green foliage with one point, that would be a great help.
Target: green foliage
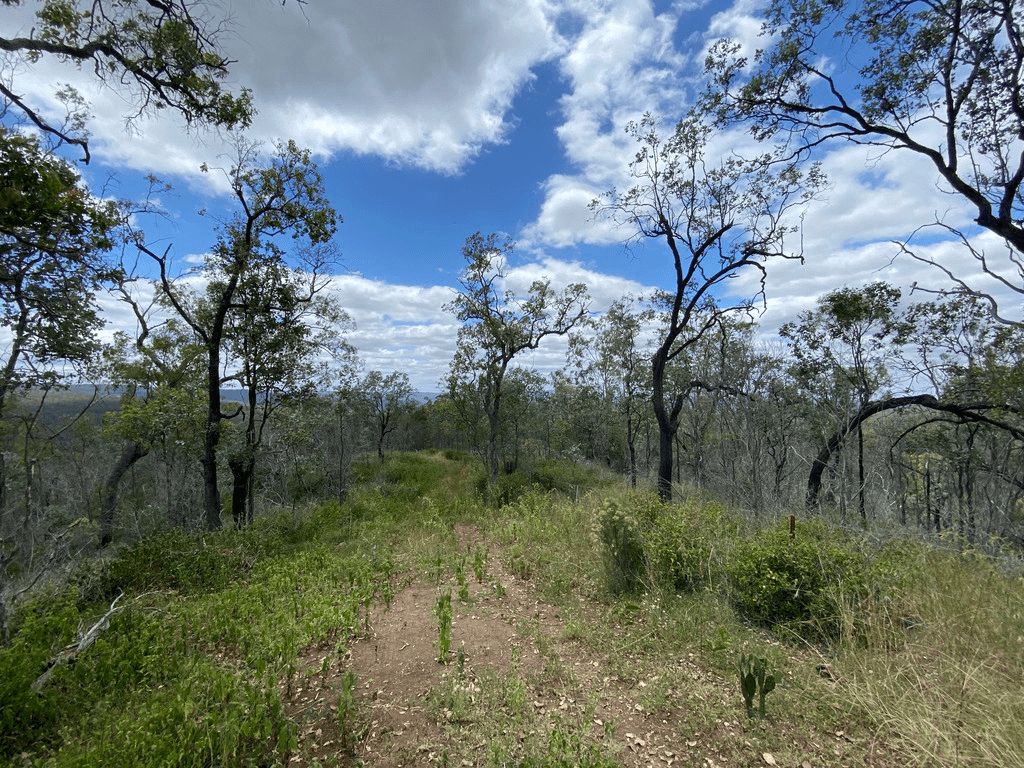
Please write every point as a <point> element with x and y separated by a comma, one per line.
<point>563,475</point>
<point>443,612</point>
<point>460,576</point>
<point>208,716</point>
<point>197,684</point>
<point>803,583</point>
<point>506,490</point>
<point>563,748</point>
<point>683,545</point>
<point>155,57</point>
<point>347,706</point>
<point>620,526</point>
<point>754,679</point>
<point>42,626</point>
<point>52,237</point>
<point>189,562</point>
<point>481,558</point>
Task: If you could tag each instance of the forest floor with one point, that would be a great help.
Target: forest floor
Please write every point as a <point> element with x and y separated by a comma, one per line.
<point>530,683</point>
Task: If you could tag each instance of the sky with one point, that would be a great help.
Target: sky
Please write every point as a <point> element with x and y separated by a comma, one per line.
<point>431,120</point>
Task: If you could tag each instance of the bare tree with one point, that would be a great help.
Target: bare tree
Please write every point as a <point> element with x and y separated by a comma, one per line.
<point>718,219</point>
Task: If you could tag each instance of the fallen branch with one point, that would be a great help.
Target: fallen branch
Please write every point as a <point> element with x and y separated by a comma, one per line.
<point>69,653</point>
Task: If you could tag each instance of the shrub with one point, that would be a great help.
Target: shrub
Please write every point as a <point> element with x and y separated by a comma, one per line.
<point>806,581</point>
<point>507,489</point>
<point>182,561</point>
<point>681,546</point>
<point>619,527</point>
<point>562,475</point>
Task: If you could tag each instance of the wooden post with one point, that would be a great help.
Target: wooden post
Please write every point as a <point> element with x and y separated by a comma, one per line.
<point>792,526</point>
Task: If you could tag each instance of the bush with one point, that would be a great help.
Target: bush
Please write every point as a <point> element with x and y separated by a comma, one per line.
<point>506,489</point>
<point>681,547</point>
<point>803,582</point>
<point>562,475</point>
<point>620,526</point>
<point>182,561</point>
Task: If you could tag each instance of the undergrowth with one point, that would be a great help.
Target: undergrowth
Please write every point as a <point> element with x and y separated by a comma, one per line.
<point>919,646</point>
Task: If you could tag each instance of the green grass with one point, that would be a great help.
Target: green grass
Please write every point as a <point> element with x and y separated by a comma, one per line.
<point>923,648</point>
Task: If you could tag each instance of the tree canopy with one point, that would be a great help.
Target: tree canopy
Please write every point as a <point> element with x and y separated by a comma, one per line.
<point>937,78</point>
<point>158,54</point>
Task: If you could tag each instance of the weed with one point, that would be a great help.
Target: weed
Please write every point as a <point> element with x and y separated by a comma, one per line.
<point>518,563</point>
<point>460,661</point>
<point>754,679</point>
<point>460,575</point>
<point>618,528</point>
<point>347,706</point>
<point>480,560</point>
<point>443,611</point>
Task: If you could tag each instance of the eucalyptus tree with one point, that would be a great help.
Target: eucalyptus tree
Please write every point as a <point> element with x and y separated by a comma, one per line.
<point>282,343</point>
<point>53,237</point>
<point>719,218</point>
<point>157,54</point>
<point>497,326</point>
<point>616,360</point>
<point>940,79</point>
<point>282,197</point>
<point>387,398</point>
<point>845,351</point>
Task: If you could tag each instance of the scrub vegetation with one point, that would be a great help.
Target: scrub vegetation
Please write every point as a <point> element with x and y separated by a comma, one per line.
<point>625,619</point>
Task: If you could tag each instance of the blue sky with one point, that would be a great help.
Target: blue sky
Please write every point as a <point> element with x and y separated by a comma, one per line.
<point>434,119</point>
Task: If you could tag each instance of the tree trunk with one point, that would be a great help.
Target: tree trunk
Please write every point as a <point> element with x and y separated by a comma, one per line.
<point>211,493</point>
<point>242,466</point>
<point>668,426</point>
<point>631,444</point>
<point>132,453</point>
<point>860,472</point>
<point>665,440</point>
<point>492,446</point>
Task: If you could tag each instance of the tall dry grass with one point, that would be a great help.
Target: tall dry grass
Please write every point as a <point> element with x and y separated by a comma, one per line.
<point>939,662</point>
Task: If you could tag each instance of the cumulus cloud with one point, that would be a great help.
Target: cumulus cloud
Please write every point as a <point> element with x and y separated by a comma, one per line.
<point>427,84</point>
<point>431,86</point>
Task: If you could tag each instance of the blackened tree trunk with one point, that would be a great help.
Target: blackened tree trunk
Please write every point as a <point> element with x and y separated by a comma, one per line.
<point>133,452</point>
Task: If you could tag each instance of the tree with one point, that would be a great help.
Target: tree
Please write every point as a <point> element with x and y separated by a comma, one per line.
<point>387,397</point>
<point>845,349</point>
<point>284,196</point>
<point>617,360</point>
<point>281,337</point>
<point>52,237</point>
<point>938,78</point>
<point>498,326</point>
<point>158,54</point>
<point>718,220</point>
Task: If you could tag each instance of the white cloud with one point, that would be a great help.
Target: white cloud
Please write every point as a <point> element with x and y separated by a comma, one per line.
<point>415,334</point>
<point>427,84</point>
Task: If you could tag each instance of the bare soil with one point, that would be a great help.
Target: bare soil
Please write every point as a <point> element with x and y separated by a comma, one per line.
<point>412,710</point>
